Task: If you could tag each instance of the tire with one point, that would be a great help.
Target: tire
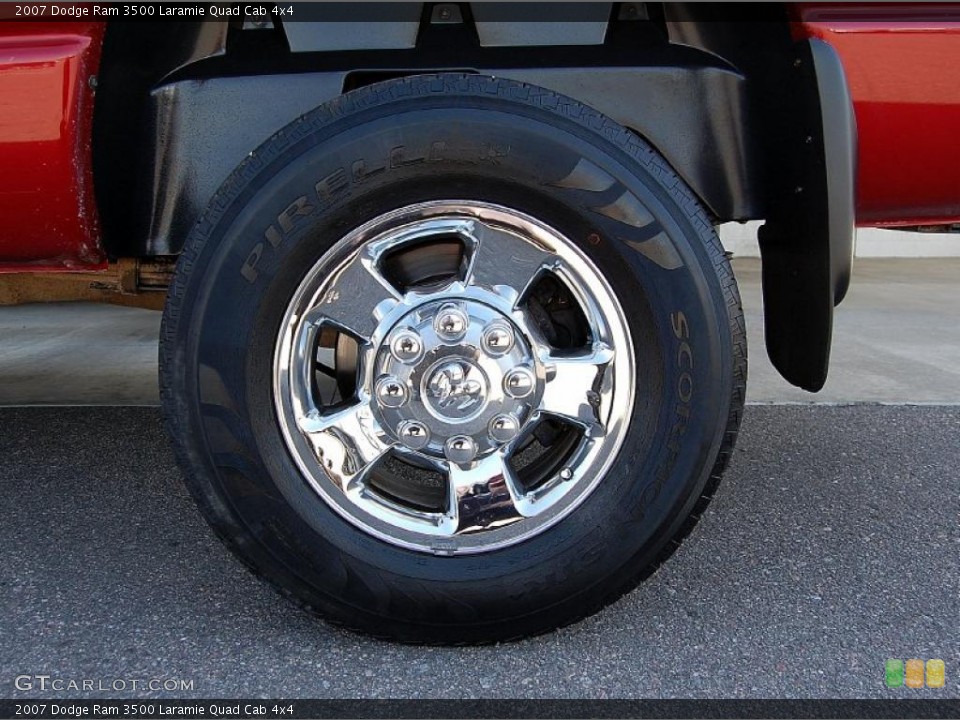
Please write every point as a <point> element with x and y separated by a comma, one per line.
<point>624,274</point>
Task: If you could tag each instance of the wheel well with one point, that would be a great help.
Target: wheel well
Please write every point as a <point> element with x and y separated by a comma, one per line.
<point>136,57</point>
<point>697,69</point>
<point>724,92</point>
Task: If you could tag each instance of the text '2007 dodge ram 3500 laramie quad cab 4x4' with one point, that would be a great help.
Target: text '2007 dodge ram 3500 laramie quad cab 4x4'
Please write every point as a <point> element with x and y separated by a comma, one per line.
<point>450,349</point>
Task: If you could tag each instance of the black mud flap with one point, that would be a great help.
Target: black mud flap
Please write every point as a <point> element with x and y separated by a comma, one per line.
<point>807,242</point>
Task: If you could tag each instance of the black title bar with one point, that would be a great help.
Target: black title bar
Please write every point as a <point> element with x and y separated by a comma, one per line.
<point>289,11</point>
<point>295,709</point>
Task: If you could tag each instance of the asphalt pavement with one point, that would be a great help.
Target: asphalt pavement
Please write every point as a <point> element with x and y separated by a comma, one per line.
<point>831,546</point>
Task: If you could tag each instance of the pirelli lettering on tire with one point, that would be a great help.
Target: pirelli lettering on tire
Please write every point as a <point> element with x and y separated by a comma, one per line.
<point>334,186</point>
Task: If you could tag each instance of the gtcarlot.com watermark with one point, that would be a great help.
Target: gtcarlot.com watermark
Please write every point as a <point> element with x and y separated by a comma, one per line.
<point>54,683</point>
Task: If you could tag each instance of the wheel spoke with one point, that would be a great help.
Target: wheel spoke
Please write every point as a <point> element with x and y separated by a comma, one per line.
<point>357,297</point>
<point>485,494</point>
<point>503,259</point>
<point>347,442</point>
<point>577,386</point>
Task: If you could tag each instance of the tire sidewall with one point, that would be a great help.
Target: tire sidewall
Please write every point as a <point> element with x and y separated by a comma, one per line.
<point>239,283</point>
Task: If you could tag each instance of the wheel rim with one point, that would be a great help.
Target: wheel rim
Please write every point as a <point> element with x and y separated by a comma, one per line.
<point>443,385</point>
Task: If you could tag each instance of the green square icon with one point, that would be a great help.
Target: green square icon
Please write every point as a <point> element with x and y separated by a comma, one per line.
<point>893,675</point>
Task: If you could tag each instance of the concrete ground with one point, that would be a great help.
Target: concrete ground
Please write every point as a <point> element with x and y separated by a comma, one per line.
<point>832,544</point>
<point>896,340</point>
<point>896,335</point>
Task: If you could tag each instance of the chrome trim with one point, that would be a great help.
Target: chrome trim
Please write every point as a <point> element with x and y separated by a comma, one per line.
<point>472,416</point>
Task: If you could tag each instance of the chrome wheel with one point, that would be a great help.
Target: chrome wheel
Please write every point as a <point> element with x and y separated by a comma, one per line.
<point>454,377</point>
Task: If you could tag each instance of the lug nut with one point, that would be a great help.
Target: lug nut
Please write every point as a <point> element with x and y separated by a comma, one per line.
<point>460,449</point>
<point>503,428</point>
<point>391,392</point>
<point>450,323</point>
<point>518,383</point>
<point>406,346</point>
<point>497,339</point>
<point>413,434</point>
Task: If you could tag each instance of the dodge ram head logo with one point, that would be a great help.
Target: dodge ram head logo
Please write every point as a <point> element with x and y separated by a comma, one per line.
<point>456,389</point>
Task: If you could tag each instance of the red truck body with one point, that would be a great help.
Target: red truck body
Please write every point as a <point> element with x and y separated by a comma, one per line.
<point>46,122</point>
<point>901,63</point>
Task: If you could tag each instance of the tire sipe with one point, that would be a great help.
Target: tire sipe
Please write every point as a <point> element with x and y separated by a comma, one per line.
<point>453,359</point>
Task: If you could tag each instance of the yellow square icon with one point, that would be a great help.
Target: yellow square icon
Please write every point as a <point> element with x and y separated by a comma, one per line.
<point>935,673</point>
<point>914,674</point>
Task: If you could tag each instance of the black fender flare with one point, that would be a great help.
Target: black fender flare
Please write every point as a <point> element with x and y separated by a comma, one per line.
<point>199,130</point>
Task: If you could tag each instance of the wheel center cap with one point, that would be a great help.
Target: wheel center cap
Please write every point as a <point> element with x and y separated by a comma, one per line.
<point>456,389</point>
<point>455,378</point>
